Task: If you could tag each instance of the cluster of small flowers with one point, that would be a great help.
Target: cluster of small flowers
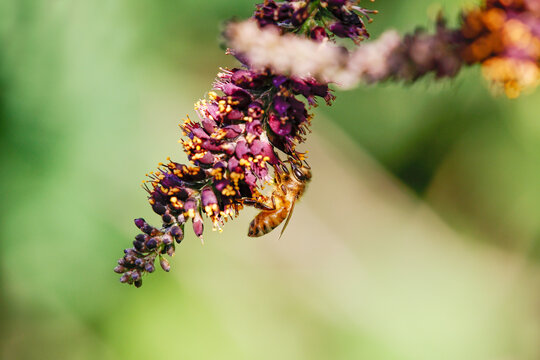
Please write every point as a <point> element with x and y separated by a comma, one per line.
<point>232,147</point>
<point>422,53</point>
<point>147,246</point>
<point>504,36</point>
<point>388,57</point>
<point>342,18</point>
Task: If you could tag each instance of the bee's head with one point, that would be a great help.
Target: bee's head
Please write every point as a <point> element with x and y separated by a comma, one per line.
<point>301,171</point>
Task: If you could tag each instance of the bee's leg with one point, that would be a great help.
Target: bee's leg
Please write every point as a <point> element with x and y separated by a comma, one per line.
<point>277,174</point>
<point>284,168</point>
<point>279,180</point>
<point>259,204</point>
<point>273,207</point>
<point>274,202</point>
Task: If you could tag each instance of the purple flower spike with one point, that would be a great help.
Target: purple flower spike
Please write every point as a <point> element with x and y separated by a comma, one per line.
<point>233,145</point>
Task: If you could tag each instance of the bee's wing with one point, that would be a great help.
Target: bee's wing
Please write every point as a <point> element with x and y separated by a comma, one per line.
<point>287,221</point>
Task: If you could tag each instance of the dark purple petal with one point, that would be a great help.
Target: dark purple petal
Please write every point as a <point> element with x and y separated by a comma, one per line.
<point>221,184</point>
<point>241,149</point>
<point>199,132</point>
<point>254,128</point>
<point>281,105</point>
<point>231,89</point>
<point>171,180</point>
<point>297,110</point>
<point>251,179</point>
<point>233,131</point>
<point>339,29</point>
<point>279,80</point>
<point>235,114</point>
<point>209,125</point>
<point>207,159</point>
<point>256,147</point>
<point>268,150</point>
<point>233,164</point>
<point>279,127</point>
<point>211,145</point>
<point>213,110</point>
<point>247,79</point>
<point>300,87</point>
<point>319,89</point>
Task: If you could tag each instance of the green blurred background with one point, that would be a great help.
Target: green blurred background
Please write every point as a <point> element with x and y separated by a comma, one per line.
<point>419,237</point>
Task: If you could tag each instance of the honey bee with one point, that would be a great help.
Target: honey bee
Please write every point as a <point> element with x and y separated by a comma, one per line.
<point>289,187</point>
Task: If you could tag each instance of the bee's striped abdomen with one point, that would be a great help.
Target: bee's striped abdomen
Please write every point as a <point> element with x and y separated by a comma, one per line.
<point>266,221</point>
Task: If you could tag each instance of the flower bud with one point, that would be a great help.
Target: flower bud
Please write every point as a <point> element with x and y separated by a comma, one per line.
<point>149,267</point>
<point>198,225</point>
<point>139,245</point>
<point>159,208</point>
<point>120,269</point>
<point>167,218</point>
<point>140,223</point>
<point>151,243</point>
<point>139,262</point>
<point>135,275</point>
<point>177,233</point>
<point>167,239</point>
<point>148,229</point>
<point>164,264</point>
<point>141,237</point>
